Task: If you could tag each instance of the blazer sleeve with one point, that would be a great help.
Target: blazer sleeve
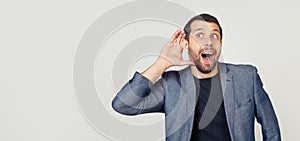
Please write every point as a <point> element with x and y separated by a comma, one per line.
<point>140,96</point>
<point>264,112</point>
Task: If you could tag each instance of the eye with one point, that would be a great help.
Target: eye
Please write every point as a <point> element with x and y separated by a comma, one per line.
<point>200,35</point>
<point>214,36</point>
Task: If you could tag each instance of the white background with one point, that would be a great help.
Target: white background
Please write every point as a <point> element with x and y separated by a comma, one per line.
<point>39,40</point>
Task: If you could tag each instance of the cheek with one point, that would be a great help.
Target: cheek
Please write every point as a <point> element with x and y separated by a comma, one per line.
<point>217,44</point>
<point>193,53</point>
<point>194,47</point>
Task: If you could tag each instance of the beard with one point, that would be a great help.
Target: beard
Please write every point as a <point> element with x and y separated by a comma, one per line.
<point>205,62</point>
<point>202,67</point>
<point>205,68</point>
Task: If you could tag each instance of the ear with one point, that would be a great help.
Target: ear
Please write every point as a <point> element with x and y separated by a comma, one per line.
<point>186,45</point>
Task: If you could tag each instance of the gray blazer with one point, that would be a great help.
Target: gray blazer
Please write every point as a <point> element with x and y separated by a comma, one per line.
<point>175,95</point>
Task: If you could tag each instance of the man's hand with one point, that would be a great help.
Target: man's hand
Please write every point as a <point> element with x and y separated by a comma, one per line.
<point>171,55</point>
<point>172,51</point>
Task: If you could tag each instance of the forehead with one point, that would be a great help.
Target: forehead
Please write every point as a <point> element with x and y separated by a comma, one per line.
<point>198,24</point>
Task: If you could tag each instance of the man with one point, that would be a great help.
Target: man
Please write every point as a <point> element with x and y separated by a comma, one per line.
<point>206,101</point>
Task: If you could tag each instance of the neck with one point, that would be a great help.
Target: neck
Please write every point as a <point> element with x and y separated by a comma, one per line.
<point>201,75</point>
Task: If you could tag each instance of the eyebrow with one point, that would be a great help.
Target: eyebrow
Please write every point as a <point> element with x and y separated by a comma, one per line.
<point>203,29</point>
<point>216,30</point>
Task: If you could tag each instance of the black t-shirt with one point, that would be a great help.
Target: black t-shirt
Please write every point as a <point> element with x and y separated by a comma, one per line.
<point>210,122</point>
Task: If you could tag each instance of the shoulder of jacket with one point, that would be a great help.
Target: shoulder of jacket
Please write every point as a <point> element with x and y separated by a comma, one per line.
<point>240,67</point>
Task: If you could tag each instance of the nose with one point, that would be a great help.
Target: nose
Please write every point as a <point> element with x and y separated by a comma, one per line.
<point>207,43</point>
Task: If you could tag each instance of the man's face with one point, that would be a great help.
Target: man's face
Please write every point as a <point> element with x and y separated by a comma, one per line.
<point>204,45</point>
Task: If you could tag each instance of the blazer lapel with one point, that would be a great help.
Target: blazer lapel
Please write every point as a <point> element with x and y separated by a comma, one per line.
<point>188,96</point>
<point>228,94</point>
<point>182,115</point>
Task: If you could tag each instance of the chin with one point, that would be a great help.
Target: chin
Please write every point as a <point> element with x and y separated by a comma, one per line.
<point>206,68</point>
<point>202,70</point>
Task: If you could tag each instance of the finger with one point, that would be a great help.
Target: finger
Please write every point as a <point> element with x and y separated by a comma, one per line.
<point>182,39</point>
<point>179,38</point>
<point>175,35</point>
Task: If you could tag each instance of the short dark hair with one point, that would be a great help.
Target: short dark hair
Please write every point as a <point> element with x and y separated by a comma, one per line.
<point>202,17</point>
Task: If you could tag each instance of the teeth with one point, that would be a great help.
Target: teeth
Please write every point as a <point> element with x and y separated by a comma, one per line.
<point>207,53</point>
<point>210,53</point>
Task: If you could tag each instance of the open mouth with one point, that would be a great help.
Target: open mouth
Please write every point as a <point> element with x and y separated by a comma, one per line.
<point>207,56</point>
